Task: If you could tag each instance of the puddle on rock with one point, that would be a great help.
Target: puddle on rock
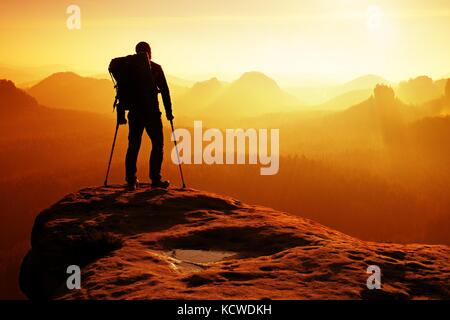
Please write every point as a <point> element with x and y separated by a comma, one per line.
<point>200,256</point>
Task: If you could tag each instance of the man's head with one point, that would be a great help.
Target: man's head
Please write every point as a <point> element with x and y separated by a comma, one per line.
<point>144,47</point>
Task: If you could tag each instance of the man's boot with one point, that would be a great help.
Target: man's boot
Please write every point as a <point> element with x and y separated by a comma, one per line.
<point>133,185</point>
<point>160,184</point>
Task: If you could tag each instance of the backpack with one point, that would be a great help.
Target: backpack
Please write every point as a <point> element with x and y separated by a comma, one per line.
<point>131,77</point>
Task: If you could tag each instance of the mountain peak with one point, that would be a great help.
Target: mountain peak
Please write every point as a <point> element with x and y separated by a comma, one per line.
<point>256,78</point>
<point>368,81</point>
<point>210,84</point>
<point>66,77</point>
<point>189,244</point>
<point>68,74</point>
<point>13,99</point>
<point>7,86</point>
<point>68,90</point>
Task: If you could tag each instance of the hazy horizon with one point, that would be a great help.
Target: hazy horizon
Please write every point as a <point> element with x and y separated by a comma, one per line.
<point>288,82</point>
<point>284,39</point>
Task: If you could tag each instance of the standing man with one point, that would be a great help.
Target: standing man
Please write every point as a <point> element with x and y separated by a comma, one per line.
<point>145,114</point>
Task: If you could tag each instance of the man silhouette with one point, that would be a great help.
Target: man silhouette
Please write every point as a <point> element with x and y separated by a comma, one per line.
<point>145,114</point>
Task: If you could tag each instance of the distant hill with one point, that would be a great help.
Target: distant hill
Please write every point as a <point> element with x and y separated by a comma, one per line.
<point>68,90</point>
<point>319,96</point>
<point>22,75</point>
<point>24,116</point>
<point>345,100</point>
<point>252,94</point>
<point>178,86</point>
<point>420,90</point>
<point>14,100</point>
<point>180,82</point>
<point>383,115</point>
<point>200,96</point>
<point>363,82</point>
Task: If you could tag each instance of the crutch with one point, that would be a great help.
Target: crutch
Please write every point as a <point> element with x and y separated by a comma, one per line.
<point>178,156</point>
<point>111,155</point>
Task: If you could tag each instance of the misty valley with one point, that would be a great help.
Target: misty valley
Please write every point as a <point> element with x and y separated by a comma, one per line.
<point>374,169</point>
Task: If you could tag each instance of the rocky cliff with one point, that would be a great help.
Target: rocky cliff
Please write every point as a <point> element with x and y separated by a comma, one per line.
<point>188,244</point>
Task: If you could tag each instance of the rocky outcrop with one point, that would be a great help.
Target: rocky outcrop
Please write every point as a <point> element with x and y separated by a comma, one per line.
<point>188,244</point>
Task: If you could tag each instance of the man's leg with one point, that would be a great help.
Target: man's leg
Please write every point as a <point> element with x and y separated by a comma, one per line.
<point>135,130</point>
<point>155,132</point>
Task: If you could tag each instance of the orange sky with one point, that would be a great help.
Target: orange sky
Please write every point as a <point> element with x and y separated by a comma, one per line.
<point>287,39</point>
